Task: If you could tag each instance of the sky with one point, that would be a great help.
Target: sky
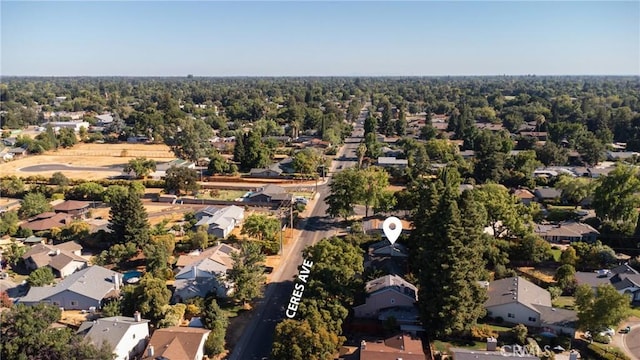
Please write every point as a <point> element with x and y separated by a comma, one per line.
<point>319,38</point>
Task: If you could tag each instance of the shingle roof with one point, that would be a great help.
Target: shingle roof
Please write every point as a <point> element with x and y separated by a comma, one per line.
<point>517,289</point>
<point>47,255</point>
<point>70,205</point>
<point>110,329</point>
<point>558,317</point>
<point>176,343</point>
<point>547,193</point>
<point>393,282</point>
<point>40,224</point>
<point>219,253</point>
<point>466,354</point>
<point>399,346</point>
<point>94,282</point>
<point>222,217</point>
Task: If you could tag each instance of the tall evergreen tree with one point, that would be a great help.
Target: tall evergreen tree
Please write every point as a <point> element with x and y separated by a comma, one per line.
<point>448,256</point>
<point>128,219</point>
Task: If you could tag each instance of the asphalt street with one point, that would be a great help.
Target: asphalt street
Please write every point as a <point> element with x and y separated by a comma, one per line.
<point>257,339</point>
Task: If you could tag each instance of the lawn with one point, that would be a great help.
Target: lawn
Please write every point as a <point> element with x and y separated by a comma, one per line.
<point>556,254</point>
<point>565,302</point>
<point>444,346</point>
<point>224,195</point>
<point>635,311</point>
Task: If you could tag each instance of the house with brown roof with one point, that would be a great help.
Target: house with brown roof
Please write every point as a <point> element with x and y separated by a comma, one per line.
<point>177,343</point>
<point>567,232</point>
<point>401,346</point>
<point>64,259</point>
<point>47,221</point>
<point>74,208</point>
<point>519,301</point>
<point>525,196</point>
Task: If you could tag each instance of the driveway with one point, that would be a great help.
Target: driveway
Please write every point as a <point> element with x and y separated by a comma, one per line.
<point>629,343</point>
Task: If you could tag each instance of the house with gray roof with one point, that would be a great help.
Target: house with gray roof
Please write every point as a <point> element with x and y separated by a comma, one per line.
<point>504,354</point>
<point>81,290</point>
<point>519,301</point>
<point>126,336</point>
<point>624,278</point>
<point>567,232</point>
<point>270,194</point>
<point>386,292</point>
<point>545,194</point>
<point>63,259</point>
<point>200,273</point>
<point>220,222</point>
<point>392,162</point>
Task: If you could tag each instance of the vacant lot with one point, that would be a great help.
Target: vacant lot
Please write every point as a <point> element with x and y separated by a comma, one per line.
<point>88,155</point>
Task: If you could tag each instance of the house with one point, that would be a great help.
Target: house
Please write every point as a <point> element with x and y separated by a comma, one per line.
<point>402,346</point>
<point>76,209</point>
<point>388,258</point>
<point>265,172</point>
<point>544,194</point>
<point>385,248</point>
<point>505,353</point>
<point>64,259</point>
<point>519,301</point>
<point>567,232</point>
<point>374,226</point>
<point>467,154</point>
<point>392,162</point>
<point>75,125</point>
<point>621,155</point>
<point>161,168</point>
<point>385,292</point>
<point>104,119</point>
<point>524,196</point>
<point>202,272</point>
<point>623,277</point>
<point>126,336</point>
<point>183,343</point>
<point>47,221</point>
<point>17,152</point>
<point>220,222</point>
<point>82,290</point>
<point>270,194</point>
<point>10,141</point>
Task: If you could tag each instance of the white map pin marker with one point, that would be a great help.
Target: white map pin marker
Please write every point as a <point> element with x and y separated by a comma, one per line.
<point>392,227</point>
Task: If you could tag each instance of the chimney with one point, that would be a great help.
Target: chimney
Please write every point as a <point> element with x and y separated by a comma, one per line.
<point>150,351</point>
<point>363,345</point>
<point>195,271</point>
<point>137,317</point>
<point>116,281</point>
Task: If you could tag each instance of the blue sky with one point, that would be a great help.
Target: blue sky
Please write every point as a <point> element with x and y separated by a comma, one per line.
<point>352,38</point>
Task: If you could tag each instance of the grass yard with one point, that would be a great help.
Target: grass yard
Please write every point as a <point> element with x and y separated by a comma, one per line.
<point>635,311</point>
<point>224,195</point>
<point>564,302</point>
<point>444,346</point>
<point>556,254</point>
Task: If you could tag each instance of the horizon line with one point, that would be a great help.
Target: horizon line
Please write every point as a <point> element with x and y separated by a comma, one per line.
<point>192,76</point>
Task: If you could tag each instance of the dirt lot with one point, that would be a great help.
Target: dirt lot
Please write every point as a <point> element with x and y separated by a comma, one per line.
<point>88,155</point>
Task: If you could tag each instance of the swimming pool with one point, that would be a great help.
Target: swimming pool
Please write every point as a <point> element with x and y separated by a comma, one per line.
<point>131,277</point>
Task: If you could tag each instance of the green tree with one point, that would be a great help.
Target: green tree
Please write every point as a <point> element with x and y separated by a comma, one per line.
<point>41,277</point>
<point>297,340</point>
<point>565,278</point>
<point>128,220</point>
<point>569,257</point>
<point>58,178</point>
<point>33,204</point>
<point>575,190</point>
<point>67,137</point>
<point>306,162</point>
<point>12,187</point>
<point>346,190</point>
<point>604,308</point>
<point>520,333</point>
<point>552,154</point>
<point>26,333</point>
<point>218,164</point>
<point>616,197</point>
<point>150,297</point>
<point>158,253</point>
<point>361,151</point>
<point>447,257</point>
<point>507,216</point>
<point>191,141</point>
<point>90,191</point>
<point>375,194</point>
<point>141,166</point>
<point>261,227</point>
<point>181,179</point>
<point>12,254</point>
<point>9,223</point>
<point>247,273</point>
<point>214,319</point>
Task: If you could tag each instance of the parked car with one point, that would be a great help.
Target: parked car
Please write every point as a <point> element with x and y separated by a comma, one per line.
<point>625,330</point>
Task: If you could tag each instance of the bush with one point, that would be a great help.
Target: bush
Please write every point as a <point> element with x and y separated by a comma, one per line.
<point>599,353</point>
<point>603,339</point>
<point>482,332</point>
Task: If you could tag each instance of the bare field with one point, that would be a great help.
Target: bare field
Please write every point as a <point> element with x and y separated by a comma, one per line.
<point>88,155</point>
